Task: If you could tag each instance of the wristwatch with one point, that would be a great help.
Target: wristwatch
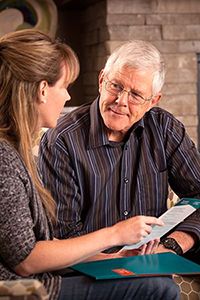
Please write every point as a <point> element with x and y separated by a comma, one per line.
<point>172,244</point>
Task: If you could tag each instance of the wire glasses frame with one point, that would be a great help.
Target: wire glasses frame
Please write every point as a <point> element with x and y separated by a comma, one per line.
<point>117,90</point>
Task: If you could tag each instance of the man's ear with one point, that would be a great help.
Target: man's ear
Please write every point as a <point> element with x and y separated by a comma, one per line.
<point>101,78</point>
<point>43,91</point>
<point>156,99</point>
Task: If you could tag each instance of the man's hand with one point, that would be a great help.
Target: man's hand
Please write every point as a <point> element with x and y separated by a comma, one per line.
<point>149,248</point>
<point>162,249</point>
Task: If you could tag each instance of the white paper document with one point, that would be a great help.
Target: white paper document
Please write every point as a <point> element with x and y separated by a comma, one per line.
<point>171,218</point>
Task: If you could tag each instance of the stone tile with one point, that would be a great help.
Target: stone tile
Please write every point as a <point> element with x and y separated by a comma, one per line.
<point>181,75</point>
<point>177,6</point>
<point>125,19</point>
<point>130,6</point>
<point>180,105</point>
<point>175,19</point>
<point>176,32</point>
<point>180,88</point>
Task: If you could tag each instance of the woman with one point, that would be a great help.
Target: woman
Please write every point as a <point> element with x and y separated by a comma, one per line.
<point>35,74</point>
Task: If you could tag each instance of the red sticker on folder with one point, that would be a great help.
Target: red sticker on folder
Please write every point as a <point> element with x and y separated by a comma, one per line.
<point>123,272</point>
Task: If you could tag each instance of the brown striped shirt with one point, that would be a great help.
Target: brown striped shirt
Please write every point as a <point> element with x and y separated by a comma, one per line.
<point>97,182</point>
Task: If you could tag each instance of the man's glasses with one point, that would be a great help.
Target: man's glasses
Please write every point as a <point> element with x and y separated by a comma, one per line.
<point>117,90</point>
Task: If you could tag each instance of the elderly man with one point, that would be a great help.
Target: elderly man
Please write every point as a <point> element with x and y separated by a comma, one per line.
<point>115,157</point>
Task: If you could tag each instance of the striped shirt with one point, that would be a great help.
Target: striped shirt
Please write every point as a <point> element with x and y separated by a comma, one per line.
<point>96,182</point>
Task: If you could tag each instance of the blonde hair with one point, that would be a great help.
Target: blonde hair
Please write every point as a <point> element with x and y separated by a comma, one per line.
<point>26,58</point>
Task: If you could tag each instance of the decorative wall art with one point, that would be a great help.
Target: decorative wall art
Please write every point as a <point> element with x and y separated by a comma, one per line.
<point>21,14</point>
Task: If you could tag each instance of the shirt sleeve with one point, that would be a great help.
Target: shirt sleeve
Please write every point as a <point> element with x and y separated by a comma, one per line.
<point>17,237</point>
<point>60,179</point>
<point>184,172</point>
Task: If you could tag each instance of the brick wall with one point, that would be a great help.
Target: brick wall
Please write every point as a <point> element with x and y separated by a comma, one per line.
<point>171,25</point>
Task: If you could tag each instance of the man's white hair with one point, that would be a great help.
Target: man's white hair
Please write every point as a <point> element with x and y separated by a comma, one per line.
<point>140,55</point>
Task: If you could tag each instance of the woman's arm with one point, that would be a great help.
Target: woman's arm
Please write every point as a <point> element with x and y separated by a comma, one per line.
<point>57,254</point>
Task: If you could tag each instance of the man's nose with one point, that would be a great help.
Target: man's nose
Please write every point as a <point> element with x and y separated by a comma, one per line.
<point>123,98</point>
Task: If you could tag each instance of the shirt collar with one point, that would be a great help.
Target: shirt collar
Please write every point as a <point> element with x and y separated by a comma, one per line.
<point>97,134</point>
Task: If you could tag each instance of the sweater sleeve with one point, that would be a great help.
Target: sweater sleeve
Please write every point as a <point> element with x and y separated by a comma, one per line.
<point>17,237</point>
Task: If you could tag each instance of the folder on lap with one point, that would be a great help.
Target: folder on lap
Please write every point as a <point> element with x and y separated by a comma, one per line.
<point>162,264</point>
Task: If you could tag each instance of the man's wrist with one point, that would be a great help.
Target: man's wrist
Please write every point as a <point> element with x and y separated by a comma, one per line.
<point>171,244</point>
<point>162,248</point>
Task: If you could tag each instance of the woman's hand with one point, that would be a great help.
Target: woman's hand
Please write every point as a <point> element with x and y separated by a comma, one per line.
<point>133,230</point>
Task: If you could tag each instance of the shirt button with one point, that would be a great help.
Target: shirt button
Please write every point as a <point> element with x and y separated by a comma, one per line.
<point>126,180</point>
<point>126,213</point>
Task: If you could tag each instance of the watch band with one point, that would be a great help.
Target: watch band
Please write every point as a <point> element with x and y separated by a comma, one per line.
<point>171,243</point>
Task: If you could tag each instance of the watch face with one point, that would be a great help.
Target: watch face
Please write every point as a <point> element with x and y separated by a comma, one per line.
<point>169,243</point>
<point>172,244</point>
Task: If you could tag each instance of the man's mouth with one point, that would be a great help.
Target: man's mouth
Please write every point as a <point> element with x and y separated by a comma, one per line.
<point>118,111</point>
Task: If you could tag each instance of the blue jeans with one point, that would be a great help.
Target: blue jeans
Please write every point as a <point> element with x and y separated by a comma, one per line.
<point>81,287</point>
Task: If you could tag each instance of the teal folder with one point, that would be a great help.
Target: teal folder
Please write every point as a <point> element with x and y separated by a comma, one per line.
<point>161,264</point>
<point>189,201</point>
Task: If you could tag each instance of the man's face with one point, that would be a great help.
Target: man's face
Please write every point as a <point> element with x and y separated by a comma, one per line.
<point>121,111</point>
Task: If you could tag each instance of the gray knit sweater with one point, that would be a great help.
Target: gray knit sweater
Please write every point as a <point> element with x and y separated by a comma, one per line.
<point>23,221</point>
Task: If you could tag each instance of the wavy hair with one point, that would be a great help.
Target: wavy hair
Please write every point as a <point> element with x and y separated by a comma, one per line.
<point>26,58</point>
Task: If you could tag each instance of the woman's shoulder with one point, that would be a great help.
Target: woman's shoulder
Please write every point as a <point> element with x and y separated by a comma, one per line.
<point>9,158</point>
<point>7,151</point>
<point>14,176</point>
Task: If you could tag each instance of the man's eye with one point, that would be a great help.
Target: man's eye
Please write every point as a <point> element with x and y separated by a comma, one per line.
<point>116,86</point>
<point>135,95</point>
